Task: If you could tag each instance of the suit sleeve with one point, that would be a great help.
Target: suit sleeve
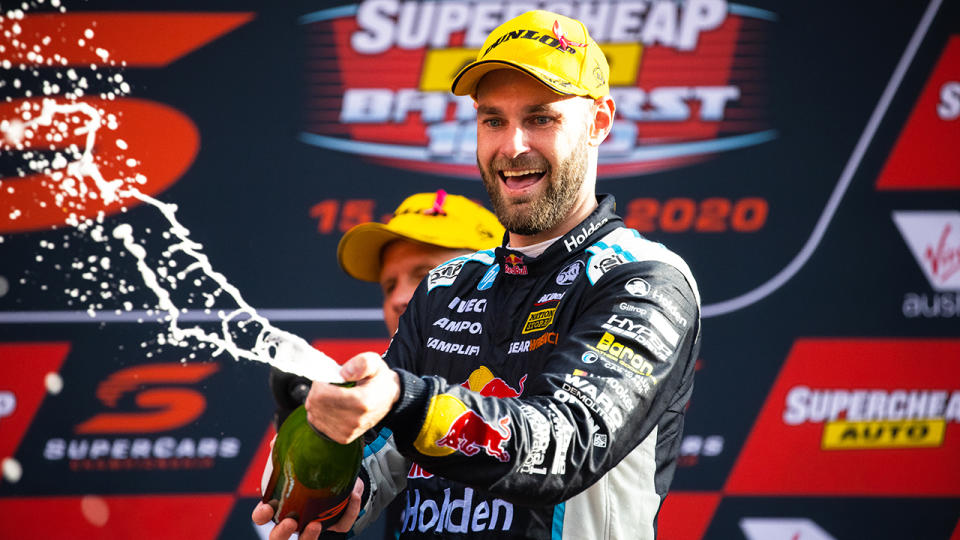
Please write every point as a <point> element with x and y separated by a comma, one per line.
<point>627,358</point>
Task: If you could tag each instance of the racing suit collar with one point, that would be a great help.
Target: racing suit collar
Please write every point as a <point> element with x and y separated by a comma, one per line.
<point>598,223</point>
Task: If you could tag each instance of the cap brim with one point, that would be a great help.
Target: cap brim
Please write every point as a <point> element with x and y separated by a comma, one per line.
<point>359,250</point>
<point>465,83</point>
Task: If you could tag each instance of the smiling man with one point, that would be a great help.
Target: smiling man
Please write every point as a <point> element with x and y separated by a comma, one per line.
<point>536,390</point>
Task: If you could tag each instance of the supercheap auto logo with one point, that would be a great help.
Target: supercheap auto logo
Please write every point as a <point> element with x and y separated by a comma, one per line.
<point>864,416</point>
<point>686,76</point>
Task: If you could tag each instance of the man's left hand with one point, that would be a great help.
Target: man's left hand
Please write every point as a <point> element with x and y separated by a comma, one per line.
<point>343,414</point>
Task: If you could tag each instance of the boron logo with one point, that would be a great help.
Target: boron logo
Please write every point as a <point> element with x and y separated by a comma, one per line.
<point>381,72</point>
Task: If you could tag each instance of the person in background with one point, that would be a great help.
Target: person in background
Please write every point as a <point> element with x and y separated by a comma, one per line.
<point>426,230</point>
<point>539,388</point>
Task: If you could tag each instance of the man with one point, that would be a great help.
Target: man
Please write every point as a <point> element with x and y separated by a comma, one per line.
<point>539,388</point>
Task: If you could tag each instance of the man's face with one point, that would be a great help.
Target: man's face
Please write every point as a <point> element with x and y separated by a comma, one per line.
<point>531,149</point>
<point>403,265</point>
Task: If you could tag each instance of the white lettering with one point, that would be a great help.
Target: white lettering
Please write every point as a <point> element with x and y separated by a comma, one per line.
<point>411,24</point>
<point>8,403</point>
<point>806,405</point>
<point>454,515</point>
<point>376,26</point>
<point>949,106</point>
<point>141,448</point>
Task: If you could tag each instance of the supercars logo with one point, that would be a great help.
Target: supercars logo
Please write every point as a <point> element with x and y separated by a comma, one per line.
<point>381,72</point>
<point>164,408</point>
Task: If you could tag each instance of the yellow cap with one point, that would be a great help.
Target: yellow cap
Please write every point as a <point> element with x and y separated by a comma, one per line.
<point>556,50</point>
<point>438,219</point>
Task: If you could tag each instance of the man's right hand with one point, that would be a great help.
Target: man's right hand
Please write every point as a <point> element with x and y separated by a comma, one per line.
<point>263,513</point>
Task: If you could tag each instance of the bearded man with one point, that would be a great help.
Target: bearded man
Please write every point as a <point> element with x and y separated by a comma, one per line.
<point>536,390</point>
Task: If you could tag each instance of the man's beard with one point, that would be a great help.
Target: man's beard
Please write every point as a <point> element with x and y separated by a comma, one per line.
<point>551,207</point>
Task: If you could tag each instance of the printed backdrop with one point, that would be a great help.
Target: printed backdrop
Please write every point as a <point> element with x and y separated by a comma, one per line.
<point>801,156</point>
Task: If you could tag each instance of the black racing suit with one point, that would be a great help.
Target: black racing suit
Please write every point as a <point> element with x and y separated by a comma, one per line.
<point>541,397</point>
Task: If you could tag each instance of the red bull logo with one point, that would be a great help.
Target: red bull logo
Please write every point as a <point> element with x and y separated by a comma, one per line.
<point>470,433</point>
<point>484,383</point>
<point>514,265</point>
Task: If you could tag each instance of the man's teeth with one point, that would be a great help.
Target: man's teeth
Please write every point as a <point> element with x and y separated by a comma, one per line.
<point>509,174</point>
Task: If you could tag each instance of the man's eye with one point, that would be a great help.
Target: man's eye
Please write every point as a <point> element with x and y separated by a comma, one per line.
<point>542,120</point>
<point>493,122</point>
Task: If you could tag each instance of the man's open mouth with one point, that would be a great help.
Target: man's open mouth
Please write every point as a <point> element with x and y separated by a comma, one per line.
<point>520,179</point>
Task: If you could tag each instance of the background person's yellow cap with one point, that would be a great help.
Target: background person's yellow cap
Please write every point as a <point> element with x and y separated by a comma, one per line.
<point>439,219</point>
<point>556,50</point>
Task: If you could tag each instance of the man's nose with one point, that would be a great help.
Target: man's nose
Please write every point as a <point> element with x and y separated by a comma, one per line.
<point>514,143</point>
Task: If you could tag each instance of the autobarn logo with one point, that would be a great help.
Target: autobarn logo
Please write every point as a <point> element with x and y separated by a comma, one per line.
<point>145,405</point>
<point>875,418</point>
<point>380,75</point>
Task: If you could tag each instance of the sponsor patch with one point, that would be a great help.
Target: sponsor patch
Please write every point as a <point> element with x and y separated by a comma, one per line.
<point>585,392</point>
<point>472,305</point>
<point>539,320</point>
<point>456,327</point>
<point>575,238</point>
<point>454,515</point>
<point>514,265</point>
<point>529,345</point>
<point>549,297</point>
<point>637,287</point>
<point>446,274</point>
<point>540,427</point>
<point>453,348</point>
<point>570,273</point>
<point>469,433</point>
<point>640,333</point>
<point>489,278</point>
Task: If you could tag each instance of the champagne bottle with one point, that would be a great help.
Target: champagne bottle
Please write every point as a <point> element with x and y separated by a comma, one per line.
<point>308,476</point>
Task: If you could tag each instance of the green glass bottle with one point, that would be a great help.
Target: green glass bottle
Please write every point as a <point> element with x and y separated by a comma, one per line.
<point>309,477</point>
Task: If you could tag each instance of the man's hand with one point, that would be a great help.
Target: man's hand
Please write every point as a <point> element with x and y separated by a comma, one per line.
<point>343,414</point>
<point>282,531</point>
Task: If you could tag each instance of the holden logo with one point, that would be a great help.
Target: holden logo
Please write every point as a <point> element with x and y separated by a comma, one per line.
<point>637,287</point>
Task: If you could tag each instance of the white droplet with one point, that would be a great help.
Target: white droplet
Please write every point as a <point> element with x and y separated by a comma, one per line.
<point>122,144</point>
<point>88,33</point>
<point>54,383</point>
<point>12,471</point>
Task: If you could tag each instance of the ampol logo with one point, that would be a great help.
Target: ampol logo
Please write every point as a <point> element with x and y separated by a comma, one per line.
<point>934,241</point>
<point>381,73</point>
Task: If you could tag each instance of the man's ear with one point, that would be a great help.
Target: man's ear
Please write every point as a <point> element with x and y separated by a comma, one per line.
<point>602,121</point>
